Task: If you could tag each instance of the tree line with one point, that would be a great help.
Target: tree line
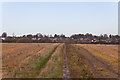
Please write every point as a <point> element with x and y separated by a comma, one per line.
<point>76,38</point>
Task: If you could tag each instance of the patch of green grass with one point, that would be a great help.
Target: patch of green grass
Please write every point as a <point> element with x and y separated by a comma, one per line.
<point>42,62</point>
<point>60,67</point>
<point>57,71</point>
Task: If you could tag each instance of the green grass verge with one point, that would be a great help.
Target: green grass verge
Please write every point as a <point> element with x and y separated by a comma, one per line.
<point>41,63</point>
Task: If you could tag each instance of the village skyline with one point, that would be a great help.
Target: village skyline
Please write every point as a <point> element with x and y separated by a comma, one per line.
<point>56,38</point>
<point>14,34</point>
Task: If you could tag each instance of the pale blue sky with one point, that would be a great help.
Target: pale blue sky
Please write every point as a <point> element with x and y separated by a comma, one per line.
<point>60,17</point>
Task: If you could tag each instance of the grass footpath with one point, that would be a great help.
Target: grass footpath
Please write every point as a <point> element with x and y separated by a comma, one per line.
<point>53,68</point>
<point>41,64</point>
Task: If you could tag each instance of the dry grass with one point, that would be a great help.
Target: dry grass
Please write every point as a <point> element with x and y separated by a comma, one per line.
<point>22,60</point>
<point>53,69</point>
<point>109,53</point>
<point>78,66</point>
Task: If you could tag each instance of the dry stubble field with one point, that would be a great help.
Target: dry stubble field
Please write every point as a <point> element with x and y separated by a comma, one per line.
<point>45,60</point>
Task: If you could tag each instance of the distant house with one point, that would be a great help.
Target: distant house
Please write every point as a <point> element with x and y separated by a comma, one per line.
<point>39,39</point>
<point>2,38</point>
<point>33,38</point>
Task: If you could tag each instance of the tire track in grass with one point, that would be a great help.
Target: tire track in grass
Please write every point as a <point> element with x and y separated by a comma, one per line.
<point>66,72</point>
<point>54,67</point>
<point>98,65</point>
<point>78,66</point>
<point>42,63</point>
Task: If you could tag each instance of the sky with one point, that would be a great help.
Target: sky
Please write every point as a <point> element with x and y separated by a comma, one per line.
<point>60,18</point>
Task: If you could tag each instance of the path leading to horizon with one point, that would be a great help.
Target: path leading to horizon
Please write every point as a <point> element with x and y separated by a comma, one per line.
<point>66,72</point>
